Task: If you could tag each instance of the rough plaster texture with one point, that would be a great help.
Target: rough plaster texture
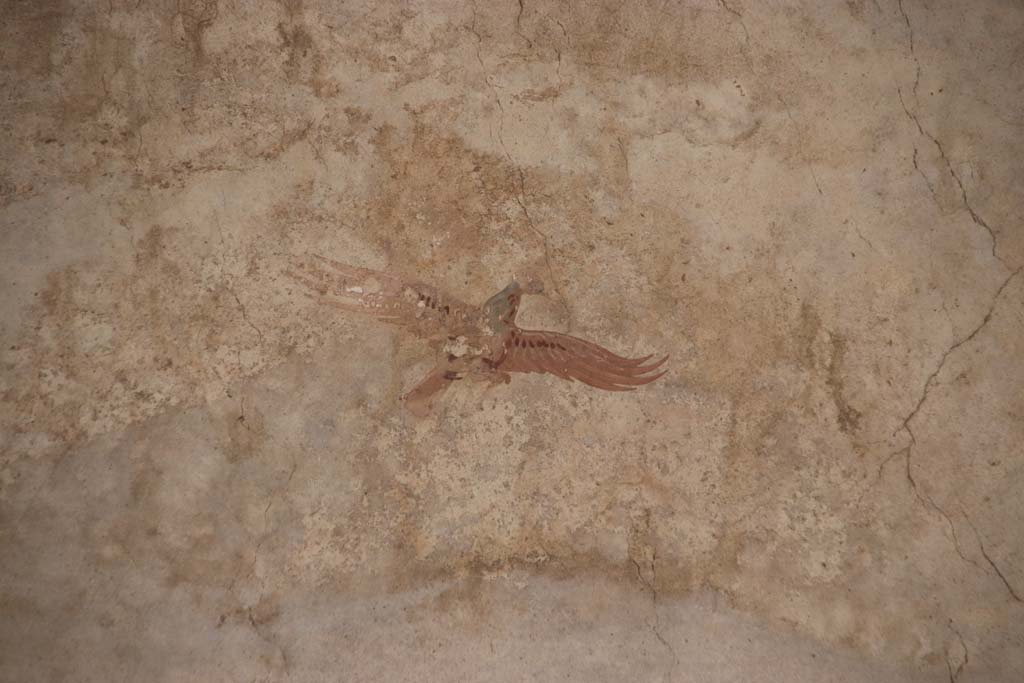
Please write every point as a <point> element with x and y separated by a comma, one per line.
<point>814,207</point>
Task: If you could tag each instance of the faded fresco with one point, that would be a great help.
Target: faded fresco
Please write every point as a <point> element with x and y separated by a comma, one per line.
<point>265,418</point>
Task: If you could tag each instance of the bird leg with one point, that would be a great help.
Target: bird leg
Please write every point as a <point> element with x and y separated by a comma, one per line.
<point>419,399</point>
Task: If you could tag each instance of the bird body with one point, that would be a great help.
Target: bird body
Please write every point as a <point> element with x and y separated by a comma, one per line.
<point>479,342</point>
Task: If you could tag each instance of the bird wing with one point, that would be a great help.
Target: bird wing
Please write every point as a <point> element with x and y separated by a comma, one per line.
<point>384,295</point>
<point>573,358</point>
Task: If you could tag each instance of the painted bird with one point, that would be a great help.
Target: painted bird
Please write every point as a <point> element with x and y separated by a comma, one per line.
<point>480,342</point>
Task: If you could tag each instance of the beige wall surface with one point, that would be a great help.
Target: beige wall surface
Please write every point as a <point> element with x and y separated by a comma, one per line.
<point>813,207</point>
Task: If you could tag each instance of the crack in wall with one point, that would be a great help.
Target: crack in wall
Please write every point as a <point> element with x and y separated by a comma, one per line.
<point>640,543</point>
<point>521,195</point>
<point>954,674</point>
<point>278,492</point>
<point>926,500</point>
<point>910,29</point>
<point>479,43</point>
<point>746,34</point>
<point>248,611</point>
<point>269,641</point>
<point>984,553</point>
<point>847,416</point>
<point>228,285</point>
<point>519,28</point>
<point>745,50</point>
<point>931,188</point>
<point>865,240</point>
<point>955,346</point>
<point>923,497</point>
<point>789,114</point>
<point>913,54</point>
<point>652,587</point>
<point>975,216</point>
<point>245,314</point>
<point>750,66</point>
<point>558,54</point>
<point>521,200</point>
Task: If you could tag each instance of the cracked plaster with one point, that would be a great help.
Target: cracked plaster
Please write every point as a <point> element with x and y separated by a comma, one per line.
<point>811,206</point>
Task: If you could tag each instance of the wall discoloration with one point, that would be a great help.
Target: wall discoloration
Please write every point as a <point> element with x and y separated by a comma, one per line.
<point>204,474</point>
